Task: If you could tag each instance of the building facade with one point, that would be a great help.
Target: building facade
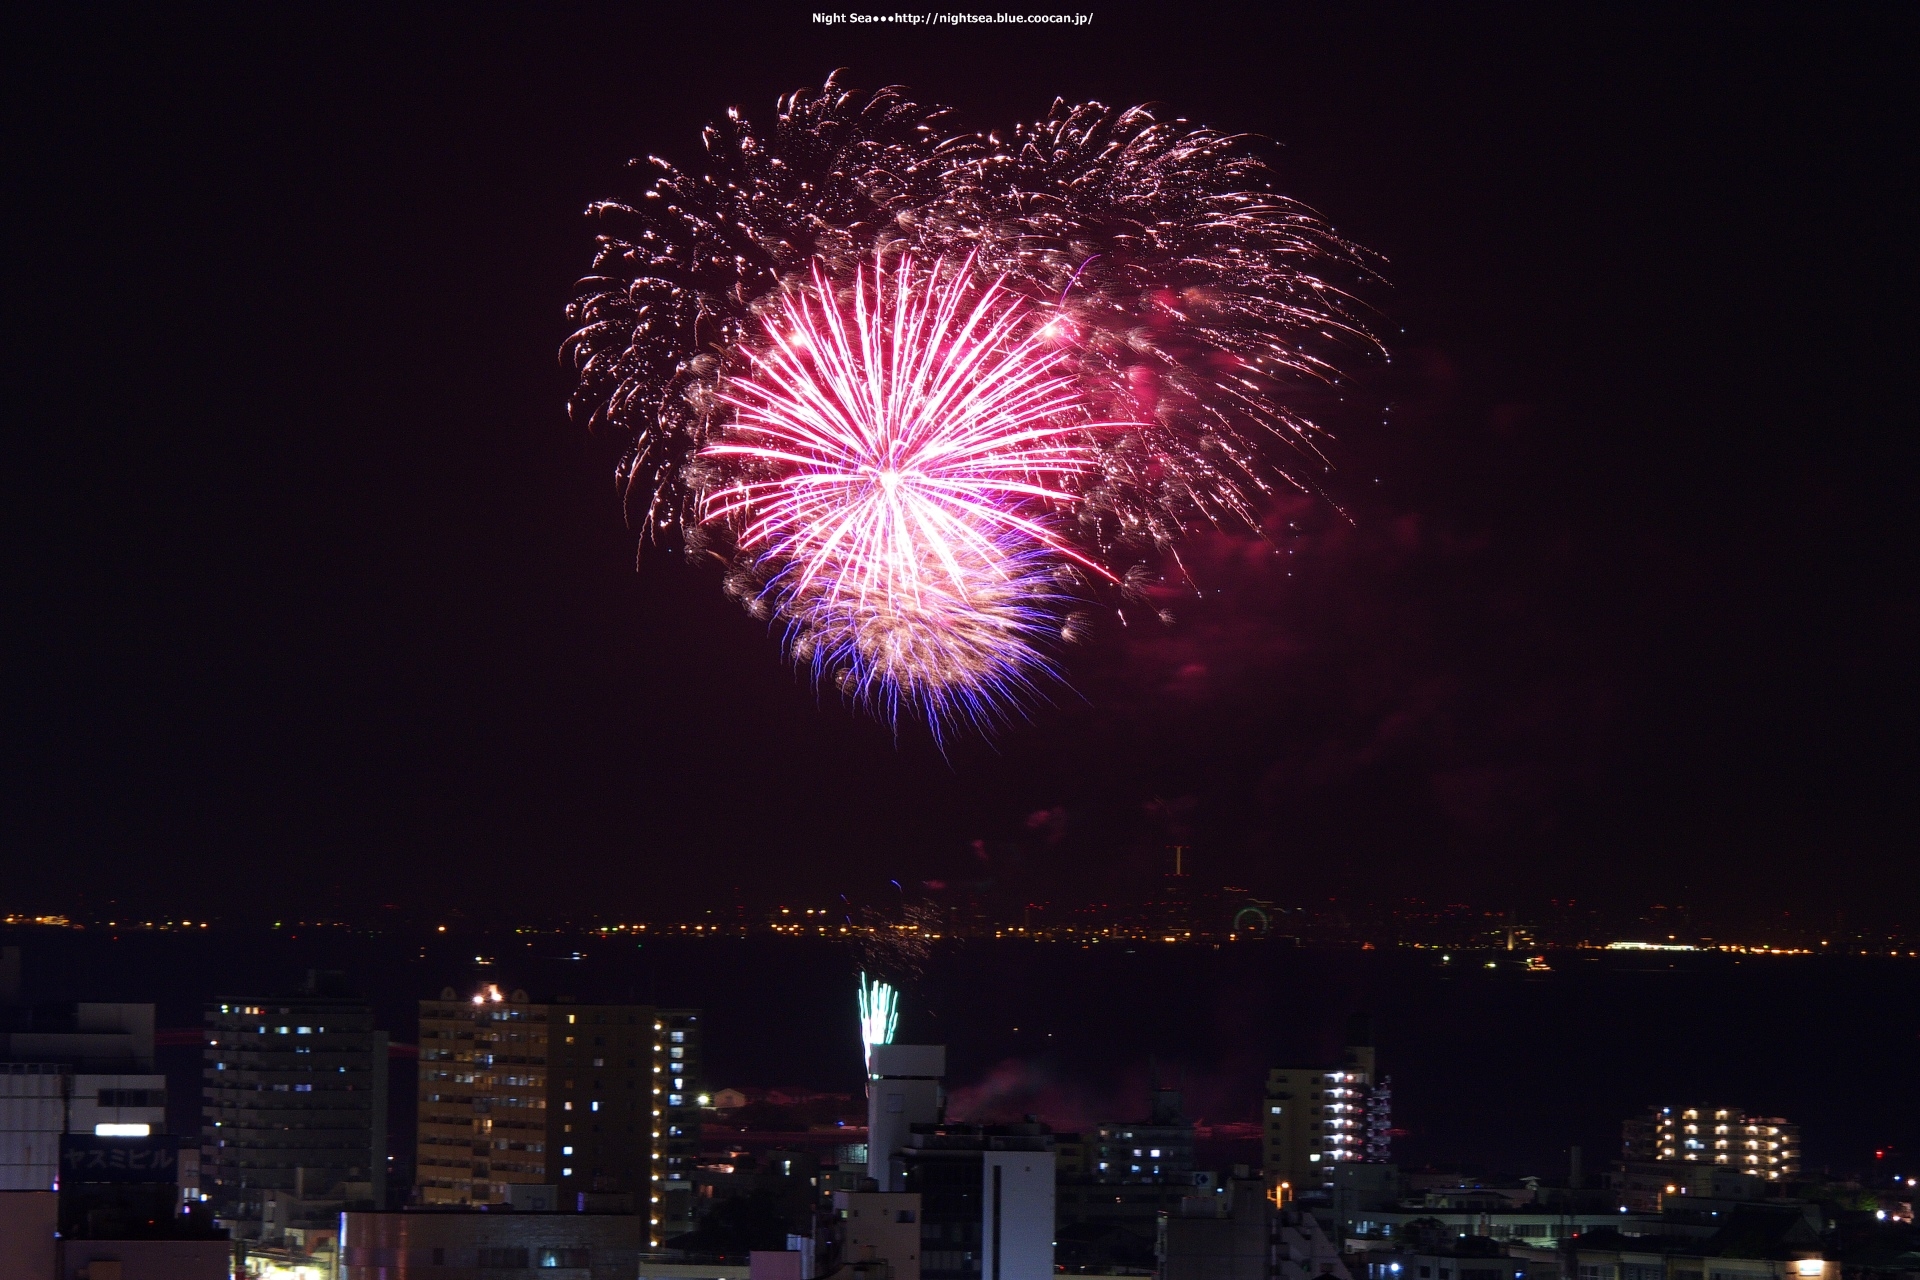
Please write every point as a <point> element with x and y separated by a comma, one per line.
<point>29,1232</point>
<point>987,1200</point>
<point>1756,1245</point>
<point>1445,1264</point>
<point>1158,1149</point>
<point>1226,1237</point>
<point>1242,1234</point>
<point>1763,1147</point>
<point>294,1113</point>
<point>877,1231</point>
<point>1532,1225</point>
<point>1114,1184</point>
<point>1316,1118</point>
<point>72,1069</point>
<point>600,1102</point>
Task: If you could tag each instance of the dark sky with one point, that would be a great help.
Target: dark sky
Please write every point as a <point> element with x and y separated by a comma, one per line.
<point>318,600</point>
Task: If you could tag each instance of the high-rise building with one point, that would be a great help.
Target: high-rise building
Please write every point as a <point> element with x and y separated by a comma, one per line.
<point>598,1101</point>
<point>295,1110</point>
<point>1319,1117</point>
<point>986,1197</point>
<point>985,1194</point>
<point>1764,1147</point>
<point>84,1069</point>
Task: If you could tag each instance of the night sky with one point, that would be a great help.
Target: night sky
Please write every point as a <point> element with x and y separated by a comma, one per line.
<point>318,601</point>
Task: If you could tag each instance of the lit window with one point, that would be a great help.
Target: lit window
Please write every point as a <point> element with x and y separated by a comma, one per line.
<point>566,1151</point>
<point>596,1104</point>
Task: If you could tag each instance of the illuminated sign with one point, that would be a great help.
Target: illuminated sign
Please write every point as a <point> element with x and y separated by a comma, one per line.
<point>86,1158</point>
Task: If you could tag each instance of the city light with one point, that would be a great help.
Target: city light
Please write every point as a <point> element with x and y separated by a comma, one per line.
<point>272,1269</point>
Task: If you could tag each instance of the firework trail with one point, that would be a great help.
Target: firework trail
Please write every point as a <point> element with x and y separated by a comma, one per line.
<point>879,1004</point>
<point>897,945</point>
<point>932,396</point>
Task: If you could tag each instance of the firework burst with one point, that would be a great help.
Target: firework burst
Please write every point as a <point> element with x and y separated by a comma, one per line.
<point>924,391</point>
<point>895,466</point>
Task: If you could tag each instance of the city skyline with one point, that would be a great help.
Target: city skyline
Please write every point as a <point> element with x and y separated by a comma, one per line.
<point>748,643</point>
<point>508,1083</point>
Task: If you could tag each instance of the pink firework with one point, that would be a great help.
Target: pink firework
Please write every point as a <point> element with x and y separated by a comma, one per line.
<point>897,462</point>
<point>900,464</point>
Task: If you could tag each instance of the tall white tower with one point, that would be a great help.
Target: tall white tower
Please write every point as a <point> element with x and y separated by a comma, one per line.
<point>903,1089</point>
